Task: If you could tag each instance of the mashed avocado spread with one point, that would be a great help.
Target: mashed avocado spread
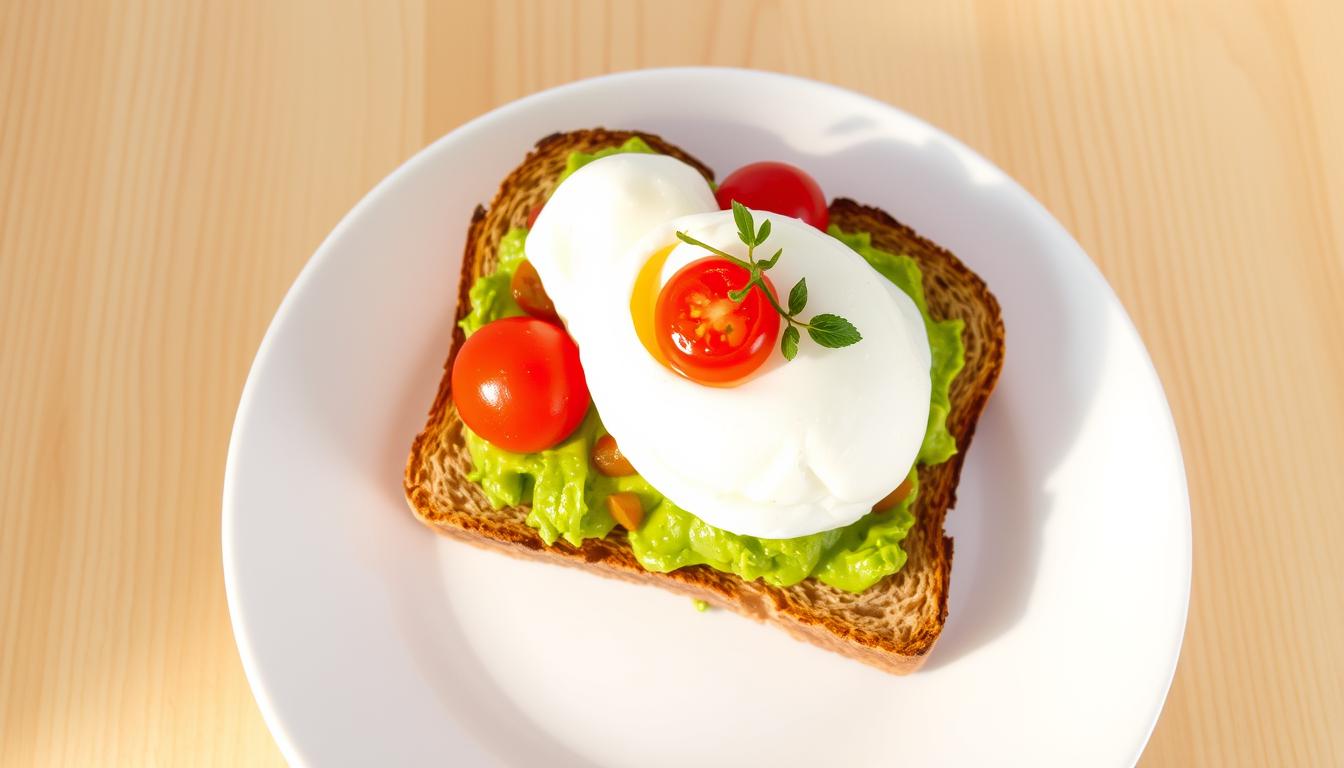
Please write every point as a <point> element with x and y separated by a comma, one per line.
<point>567,493</point>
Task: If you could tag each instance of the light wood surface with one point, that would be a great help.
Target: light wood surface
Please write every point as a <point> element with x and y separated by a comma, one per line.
<point>167,167</point>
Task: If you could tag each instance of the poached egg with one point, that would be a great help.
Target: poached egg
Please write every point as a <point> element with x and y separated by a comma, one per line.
<point>799,446</point>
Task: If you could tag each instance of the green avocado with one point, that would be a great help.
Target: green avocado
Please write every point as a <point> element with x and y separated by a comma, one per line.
<point>567,494</point>
<point>577,160</point>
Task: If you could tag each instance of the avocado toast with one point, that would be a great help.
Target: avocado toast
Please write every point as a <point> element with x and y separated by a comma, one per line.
<point>891,625</point>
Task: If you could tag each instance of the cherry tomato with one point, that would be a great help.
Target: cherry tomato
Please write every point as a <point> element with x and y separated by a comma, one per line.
<point>778,188</point>
<point>609,460</point>
<point>889,502</point>
<point>518,383</point>
<point>704,334</point>
<point>626,509</point>
<point>533,214</point>
<point>530,293</point>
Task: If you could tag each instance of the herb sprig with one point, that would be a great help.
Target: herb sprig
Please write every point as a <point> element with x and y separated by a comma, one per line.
<point>828,330</point>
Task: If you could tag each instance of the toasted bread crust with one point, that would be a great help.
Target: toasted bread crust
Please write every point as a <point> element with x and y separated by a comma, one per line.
<point>892,625</point>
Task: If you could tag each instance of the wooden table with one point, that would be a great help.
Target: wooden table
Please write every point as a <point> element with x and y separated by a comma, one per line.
<point>167,167</point>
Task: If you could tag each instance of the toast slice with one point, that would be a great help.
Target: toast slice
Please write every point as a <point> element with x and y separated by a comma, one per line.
<point>892,625</point>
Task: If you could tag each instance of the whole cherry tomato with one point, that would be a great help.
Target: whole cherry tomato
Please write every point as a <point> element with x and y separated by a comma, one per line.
<point>778,188</point>
<point>705,335</point>
<point>518,384</point>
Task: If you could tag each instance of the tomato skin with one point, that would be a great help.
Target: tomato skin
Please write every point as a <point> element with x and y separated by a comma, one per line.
<point>778,188</point>
<point>527,290</point>
<point>533,214</point>
<point>706,336</point>
<point>518,383</point>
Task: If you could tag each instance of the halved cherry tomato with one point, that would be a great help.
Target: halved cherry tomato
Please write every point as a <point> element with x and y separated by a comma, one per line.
<point>778,188</point>
<point>530,293</point>
<point>533,214</point>
<point>705,335</point>
<point>518,383</point>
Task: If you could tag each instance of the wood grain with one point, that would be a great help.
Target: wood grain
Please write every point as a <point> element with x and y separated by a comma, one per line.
<point>167,167</point>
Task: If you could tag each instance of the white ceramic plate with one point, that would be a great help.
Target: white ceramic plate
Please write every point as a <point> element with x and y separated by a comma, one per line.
<point>370,641</point>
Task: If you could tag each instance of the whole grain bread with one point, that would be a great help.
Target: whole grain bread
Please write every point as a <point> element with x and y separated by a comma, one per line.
<point>894,624</point>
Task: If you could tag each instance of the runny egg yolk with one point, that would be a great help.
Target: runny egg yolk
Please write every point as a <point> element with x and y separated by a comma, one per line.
<point>644,299</point>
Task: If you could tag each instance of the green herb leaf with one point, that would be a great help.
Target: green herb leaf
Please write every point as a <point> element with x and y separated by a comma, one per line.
<point>798,297</point>
<point>746,228</point>
<point>833,331</point>
<point>770,262</point>
<point>685,238</point>
<point>788,344</point>
<point>762,233</point>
